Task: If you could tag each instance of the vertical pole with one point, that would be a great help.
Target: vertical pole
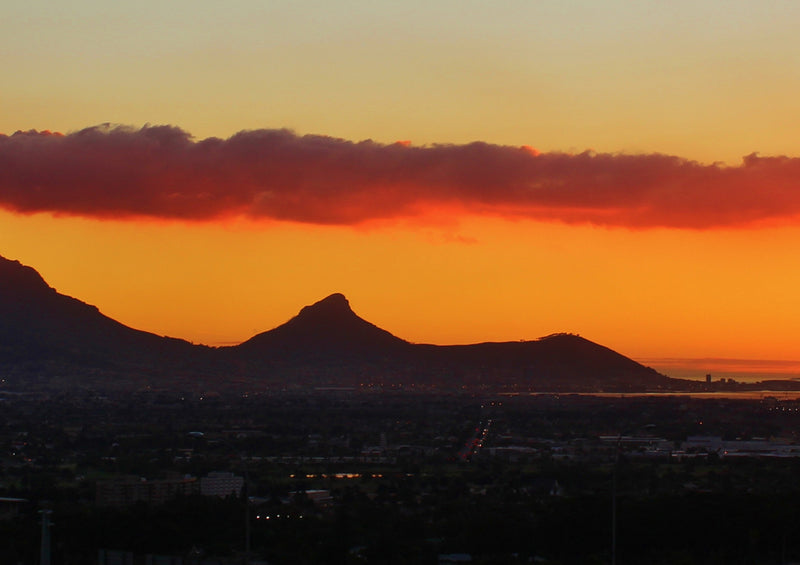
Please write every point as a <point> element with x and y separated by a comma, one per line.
<point>246,493</point>
<point>44,548</point>
<point>614,502</point>
<point>246,523</point>
<point>614,515</point>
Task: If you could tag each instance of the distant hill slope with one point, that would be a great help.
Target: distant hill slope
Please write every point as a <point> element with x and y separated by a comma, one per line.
<point>44,332</point>
<point>39,326</point>
<point>555,362</point>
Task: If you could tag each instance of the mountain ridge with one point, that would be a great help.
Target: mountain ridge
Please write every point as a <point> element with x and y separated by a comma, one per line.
<point>44,333</point>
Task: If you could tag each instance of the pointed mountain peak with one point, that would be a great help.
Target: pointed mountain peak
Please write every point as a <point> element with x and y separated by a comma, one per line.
<point>329,325</point>
<point>337,299</point>
<point>332,306</point>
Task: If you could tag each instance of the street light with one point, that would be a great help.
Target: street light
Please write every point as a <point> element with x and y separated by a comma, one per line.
<point>614,494</point>
<point>245,494</point>
<point>44,548</point>
<point>614,502</point>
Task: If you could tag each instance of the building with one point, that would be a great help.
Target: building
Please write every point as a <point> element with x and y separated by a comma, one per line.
<point>124,492</point>
<point>221,484</point>
<point>10,507</point>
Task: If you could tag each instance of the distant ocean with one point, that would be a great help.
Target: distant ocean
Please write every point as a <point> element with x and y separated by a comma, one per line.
<point>743,370</point>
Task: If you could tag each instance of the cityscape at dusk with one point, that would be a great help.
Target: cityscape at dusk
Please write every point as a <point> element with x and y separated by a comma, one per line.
<point>423,283</point>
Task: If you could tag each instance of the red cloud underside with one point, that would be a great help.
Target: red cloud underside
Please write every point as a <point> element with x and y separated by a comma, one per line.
<point>161,172</point>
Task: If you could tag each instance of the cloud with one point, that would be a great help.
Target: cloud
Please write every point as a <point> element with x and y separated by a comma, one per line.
<point>162,172</point>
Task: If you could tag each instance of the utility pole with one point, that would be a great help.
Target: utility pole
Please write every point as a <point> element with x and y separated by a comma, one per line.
<point>245,493</point>
<point>44,549</point>
<point>614,502</point>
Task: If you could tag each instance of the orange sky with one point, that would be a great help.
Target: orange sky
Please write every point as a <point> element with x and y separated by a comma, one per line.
<point>623,229</point>
<point>655,293</point>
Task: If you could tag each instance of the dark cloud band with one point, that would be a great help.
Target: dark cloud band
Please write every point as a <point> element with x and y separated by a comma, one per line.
<point>161,172</point>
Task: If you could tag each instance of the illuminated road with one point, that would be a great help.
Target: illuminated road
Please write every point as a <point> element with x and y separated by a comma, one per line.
<point>475,443</point>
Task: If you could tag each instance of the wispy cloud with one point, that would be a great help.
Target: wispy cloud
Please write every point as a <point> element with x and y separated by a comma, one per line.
<point>162,172</point>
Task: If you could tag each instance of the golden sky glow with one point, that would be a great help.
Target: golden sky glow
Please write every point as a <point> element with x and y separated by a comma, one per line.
<point>642,244</point>
<point>650,293</point>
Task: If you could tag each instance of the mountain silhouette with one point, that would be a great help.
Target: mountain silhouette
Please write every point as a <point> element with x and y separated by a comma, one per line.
<point>328,327</point>
<point>43,330</point>
<point>44,333</point>
<point>559,361</point>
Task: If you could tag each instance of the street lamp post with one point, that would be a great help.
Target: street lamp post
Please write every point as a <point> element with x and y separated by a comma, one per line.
<point>614,493</point>
<point>614,502</point>
<point>44,547</point>
<point>245,495</point>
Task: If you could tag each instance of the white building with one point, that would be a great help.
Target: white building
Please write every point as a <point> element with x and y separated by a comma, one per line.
<point>221,484</point>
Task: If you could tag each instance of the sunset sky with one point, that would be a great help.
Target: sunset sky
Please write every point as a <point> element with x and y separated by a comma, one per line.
<point>462,171</point>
